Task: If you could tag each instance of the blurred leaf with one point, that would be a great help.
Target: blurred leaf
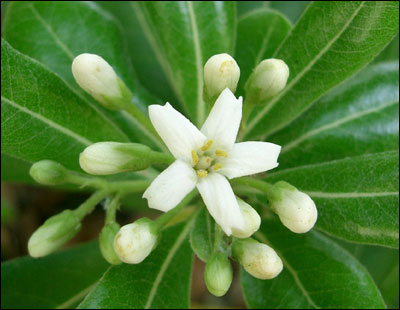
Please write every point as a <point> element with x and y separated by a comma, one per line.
<point>161,281</point>
<point>317,273</point>
<point>292,10</point>
<point>357,118</point>
<point>357,197</point>
<point>41,118</point>
<point>331,42</point>
<point>8,211</point>
<point>246,7</point>
<point>59,280</point>
<point>259,34</point>
<point>202,235</point>
<point>184,35</point>
<point>15,170</point>
<point>55,32</point>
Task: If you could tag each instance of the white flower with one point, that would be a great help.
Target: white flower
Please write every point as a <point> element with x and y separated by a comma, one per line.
<point>205,158</point>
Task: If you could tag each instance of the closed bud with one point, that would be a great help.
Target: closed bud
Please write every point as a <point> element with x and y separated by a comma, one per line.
<point>252,221</point>
<point>296,210</point>
<point>135,241</point>
<point>267,79</point>
<point>55,232</point>
<point>220,71</point>
<point>218,274</point>
<point>48,172</point>
<point>104,158</point>
<point>258,259</point>
<point>98,78</point>
<point>106,243</point>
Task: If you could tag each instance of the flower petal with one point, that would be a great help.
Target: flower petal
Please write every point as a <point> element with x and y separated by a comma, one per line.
<point>171,186</point>
<point>251,157</point>
<point>221,202</point>
<point>223,122</point>
<point>178,133</point>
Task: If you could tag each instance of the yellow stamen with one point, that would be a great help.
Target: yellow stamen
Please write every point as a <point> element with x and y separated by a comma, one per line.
<point>217,166</point>
<point>221,153</point>
<point>207,145</point>
<point>195,158</point>
<point>202,173</point>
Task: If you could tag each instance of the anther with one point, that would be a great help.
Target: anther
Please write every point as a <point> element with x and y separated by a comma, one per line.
<point>221,153</point>
<point>202,173</point>
<point>217,166</point>
<point>195,158</point>
<point>207,145</point>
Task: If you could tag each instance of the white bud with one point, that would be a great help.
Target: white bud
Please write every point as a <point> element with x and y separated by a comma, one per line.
<point>98,78</point>
<point>296,210</point>
<point>220,71</point>
<point>135,241</point>
<point>258,259</point>
<point>104,158</point>
<point>267,79</point>
<point>252,221</point>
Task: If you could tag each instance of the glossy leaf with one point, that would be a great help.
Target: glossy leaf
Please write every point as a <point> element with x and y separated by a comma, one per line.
<point>330,42</point>
<point>184,35</point>
<point>317,273</point>
<point>41,118</point>
<point>259,34</point>
<point>292,11</point>
<point>357,197</point>
<point>202,235</point>
<point>359,117</point>
<point>54,33</point>
<point>161,281</point>
<point>59,280</point>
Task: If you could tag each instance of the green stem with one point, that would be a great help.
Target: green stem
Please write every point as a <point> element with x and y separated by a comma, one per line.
<point>126,187</point>
<point>261,185</point>
<point>112,207</point>
<point>161,158</point>
<point>89,205</point>
<point>166,217</point>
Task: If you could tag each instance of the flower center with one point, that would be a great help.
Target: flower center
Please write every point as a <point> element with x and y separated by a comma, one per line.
<point>206,159</point>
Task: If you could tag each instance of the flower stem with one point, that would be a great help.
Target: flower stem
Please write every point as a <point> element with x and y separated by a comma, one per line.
<point>112,207</point>
<point>260,185</point>
<point>89,205</point>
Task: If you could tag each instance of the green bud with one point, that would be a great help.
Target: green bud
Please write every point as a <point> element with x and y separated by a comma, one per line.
<point>48,172</point>
<point>218,274</point>
<point>55,232</point>
<point>258,259</point>
<point>106,243</point>
<point>267,79</point>
<point>104,158</point>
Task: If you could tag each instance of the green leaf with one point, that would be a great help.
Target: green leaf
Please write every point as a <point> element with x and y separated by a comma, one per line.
<point>330,42</point>
<point>391,52</point>
<point>357,197</point>
<point>59,280</point>
<point>358,117</point>
<point>317,273</point>
<point>292,11</point>
<point>15,170</point>
<point>184,35</point>
<point>161,281</point>
<point>41,118</point>
<point>259,34</point>
<point>54,33</point>
<point>202,235</point>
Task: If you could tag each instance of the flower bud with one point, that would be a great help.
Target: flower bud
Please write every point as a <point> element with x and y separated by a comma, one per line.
<point>48,172</point>
<point>56,231</point>
<point>104,158</point>
<point>135,241</point>
<point>258,259</point>
<point>296,210</point>
<point>267,79</point>
<point>220,71</point>
<point>218,274</point>
<point>106,243</point>
<point>252,221</point>
<point>98,78</point>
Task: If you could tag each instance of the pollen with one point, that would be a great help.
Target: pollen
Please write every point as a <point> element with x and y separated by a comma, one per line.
<point>207,145</point>
<point>217,166</point>
<point>195,158</point>
<point>221,153</point>
<point>202,173</point>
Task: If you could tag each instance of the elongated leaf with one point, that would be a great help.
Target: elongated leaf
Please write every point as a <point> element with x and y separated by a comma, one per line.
<point>41,118</point>
<point>161,281</point>
<point>54,33</point>
<point>184,35</point>
<point>359,117</point>
<point>202,235</point>
<point>59,280</point>
<point>357,198</point>
<point>259,34</point>
<point>330,42</point>
<point>317,273</point>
